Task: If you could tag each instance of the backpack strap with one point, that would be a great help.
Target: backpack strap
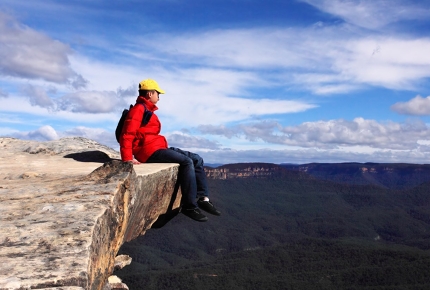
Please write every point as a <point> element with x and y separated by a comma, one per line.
<point>147,114</point>
<point>145,119</point>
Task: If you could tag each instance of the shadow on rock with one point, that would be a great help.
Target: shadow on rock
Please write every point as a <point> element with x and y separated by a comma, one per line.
<point>89,156</point>
<point>163,219</point>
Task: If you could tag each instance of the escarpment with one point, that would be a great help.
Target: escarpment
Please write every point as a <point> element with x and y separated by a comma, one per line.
<point>67,206</point>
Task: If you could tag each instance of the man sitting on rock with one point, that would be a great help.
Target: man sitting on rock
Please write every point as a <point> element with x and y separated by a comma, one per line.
<point>143,141</point>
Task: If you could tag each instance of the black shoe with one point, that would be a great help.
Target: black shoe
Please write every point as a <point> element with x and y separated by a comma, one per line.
<point>195,214</point>
<point>208,207</point>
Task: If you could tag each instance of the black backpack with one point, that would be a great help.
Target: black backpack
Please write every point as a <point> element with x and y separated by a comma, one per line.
<point>145,119</point>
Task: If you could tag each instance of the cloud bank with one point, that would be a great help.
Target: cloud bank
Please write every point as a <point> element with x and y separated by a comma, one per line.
<point>417,106</point>
<point>371,14</point>
<point>26,53</point>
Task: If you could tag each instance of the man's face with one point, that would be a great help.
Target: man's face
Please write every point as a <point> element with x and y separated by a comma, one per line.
<point>154,96</point>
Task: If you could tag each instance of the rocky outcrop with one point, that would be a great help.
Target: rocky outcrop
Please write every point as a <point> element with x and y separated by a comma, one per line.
<point>66,208</point>
<point>245,170</point>
<point>387,175</point>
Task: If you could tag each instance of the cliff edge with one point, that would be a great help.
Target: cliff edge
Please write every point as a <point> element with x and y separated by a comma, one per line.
<point>66,207</point>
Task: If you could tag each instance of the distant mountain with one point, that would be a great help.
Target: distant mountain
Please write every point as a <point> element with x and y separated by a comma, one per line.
<point>386,175</point>
<point>252,170</point>
<point>289,230</point>
<point>213,165</point>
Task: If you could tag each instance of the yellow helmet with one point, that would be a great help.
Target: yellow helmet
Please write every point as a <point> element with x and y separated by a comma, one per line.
<point>150,85</point>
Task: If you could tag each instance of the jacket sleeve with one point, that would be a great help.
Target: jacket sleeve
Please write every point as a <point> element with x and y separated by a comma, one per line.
<point>129,130</point>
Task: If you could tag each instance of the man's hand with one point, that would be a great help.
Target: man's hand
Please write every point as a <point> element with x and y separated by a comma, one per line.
<point>134,161</point>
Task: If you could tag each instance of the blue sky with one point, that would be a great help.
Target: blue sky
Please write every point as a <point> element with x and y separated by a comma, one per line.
<point>292,81</point>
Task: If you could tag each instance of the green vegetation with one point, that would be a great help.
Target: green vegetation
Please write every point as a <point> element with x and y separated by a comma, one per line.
<point>302,264</point>
<point>291,232</point>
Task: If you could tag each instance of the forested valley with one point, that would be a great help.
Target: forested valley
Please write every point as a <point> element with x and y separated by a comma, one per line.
<point>291,231</point>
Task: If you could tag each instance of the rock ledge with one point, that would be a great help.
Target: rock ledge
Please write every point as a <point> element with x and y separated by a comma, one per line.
<point>66,207</point>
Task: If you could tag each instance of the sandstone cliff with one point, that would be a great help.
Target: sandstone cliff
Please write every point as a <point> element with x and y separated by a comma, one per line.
<point>67,206</point>
<point>248,170</point>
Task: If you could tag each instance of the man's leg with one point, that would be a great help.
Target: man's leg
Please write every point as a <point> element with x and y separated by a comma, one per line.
<point>200,175</point>
<point>202,187</point>
<point>186,177</point>
<point>186,174</point>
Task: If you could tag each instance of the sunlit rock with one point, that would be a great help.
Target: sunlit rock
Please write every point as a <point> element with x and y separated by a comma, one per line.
<point>66,207</point>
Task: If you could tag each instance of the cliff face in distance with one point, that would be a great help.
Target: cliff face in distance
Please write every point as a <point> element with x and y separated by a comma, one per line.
<point>248,170</point>
<point>68,205</point>
<point>386,175</point>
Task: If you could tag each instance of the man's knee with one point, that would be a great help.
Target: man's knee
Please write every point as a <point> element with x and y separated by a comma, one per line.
<point>187,161</point>
<point>198,161</point>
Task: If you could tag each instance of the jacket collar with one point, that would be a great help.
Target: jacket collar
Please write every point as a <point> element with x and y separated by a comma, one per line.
<point>150,106</point>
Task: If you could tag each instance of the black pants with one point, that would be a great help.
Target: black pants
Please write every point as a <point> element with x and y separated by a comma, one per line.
<point>192,176</point>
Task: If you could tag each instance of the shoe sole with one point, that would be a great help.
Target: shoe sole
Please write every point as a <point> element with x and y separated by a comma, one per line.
<point>203,219</point>
<point>208,211</point>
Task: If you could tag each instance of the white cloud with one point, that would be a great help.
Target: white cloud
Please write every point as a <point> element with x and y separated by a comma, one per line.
<point>333,134</point>
<point>38,96</point>
<point>91,102</point>
<point>97,134</point>
<point>26,53</point>
<point>222,110</point>
<point>301,156</point>
<point>193,96</point>
<point>103,75</point>
<point>330,60</point>
<point>20,105</point>
<point>220,130</point>
<point>417,106</point>
<point>350,60</point>
<point>253,48</point>
<point>79,82</point>
<point>209,96</point>
<point>3,94</point>
<point>326,134</point>
<point>329,83</point>
<point>371,14</point>
<point>45,133</point>
<point>87,102</point>
<point>20,111</point>
<point>382,61</point>
<point>187,141</point>
<point>324,60</point>
<point>416,151</point>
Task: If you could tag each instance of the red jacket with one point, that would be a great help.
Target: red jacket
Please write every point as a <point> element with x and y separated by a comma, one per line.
<point>141,141</point>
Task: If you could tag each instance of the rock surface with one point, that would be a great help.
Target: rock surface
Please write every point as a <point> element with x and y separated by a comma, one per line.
<point>66,207</point>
